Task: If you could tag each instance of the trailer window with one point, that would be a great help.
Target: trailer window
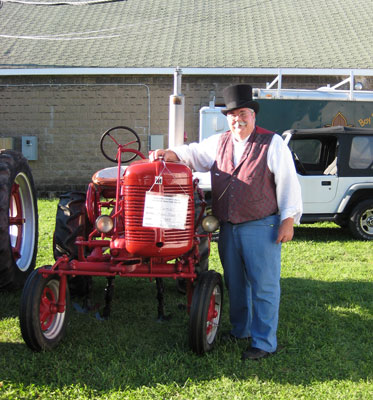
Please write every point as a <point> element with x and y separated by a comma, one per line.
<point>361,156</point>
<point>308,151</point>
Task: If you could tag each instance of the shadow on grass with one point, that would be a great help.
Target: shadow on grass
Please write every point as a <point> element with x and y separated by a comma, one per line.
<point>322,233</point>
<point>9,303</point>
<point>325,329</point>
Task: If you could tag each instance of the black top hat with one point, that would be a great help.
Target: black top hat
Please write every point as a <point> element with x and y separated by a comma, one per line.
<point>239,96</point>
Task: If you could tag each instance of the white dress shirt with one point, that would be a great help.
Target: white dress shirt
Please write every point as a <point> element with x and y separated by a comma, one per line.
<point>201,157</point>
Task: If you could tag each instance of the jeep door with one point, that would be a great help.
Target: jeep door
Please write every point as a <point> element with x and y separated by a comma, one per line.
<point>315,161</point>
<point>319,193</point>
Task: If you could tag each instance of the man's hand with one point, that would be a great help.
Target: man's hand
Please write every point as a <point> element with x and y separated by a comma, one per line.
<point>167,155</point>
<point>286,230</point>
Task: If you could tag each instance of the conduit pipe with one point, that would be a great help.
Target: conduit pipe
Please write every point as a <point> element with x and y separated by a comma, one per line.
<point>90,85</point>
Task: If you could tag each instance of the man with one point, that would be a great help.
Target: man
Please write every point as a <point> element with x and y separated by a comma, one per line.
<point>257,198</point>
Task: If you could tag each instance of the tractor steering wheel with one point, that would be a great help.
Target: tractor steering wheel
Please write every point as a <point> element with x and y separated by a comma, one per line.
<point>118,135</point>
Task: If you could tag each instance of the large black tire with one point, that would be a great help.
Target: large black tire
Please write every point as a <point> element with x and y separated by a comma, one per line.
<point>205,312</point>
<point>204,252</point>
<point>18,220</point>
<point>361,220</point>
<point>203,247</point>
<point>41,328</point>
<point>204,244</point>
<point>71,222</point>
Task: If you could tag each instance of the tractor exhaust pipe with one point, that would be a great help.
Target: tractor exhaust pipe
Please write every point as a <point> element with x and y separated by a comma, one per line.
<point>176,113</point>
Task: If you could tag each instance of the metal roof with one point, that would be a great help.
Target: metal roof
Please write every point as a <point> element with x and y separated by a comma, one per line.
<point>162,34</point>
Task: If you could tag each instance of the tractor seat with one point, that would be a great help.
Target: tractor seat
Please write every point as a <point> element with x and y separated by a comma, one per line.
<point>107,176</point>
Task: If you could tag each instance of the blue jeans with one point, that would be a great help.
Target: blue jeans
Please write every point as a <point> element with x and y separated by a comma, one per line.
<point>252,265</point>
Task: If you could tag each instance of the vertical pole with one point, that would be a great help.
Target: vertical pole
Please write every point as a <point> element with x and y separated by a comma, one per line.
<point>279,83</point>
<point>352,85</point>
<point>176,113</point>
<point>61,304</point>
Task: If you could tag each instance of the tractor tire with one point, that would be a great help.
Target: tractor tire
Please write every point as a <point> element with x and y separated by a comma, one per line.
<point>41,328</point>
<point>361,220</point>
<point>205,312</point>
<point>18,220</point>
<point>203,248</point>
<point>71,222</point>
<point>204,252</point>
<point>204,244</point>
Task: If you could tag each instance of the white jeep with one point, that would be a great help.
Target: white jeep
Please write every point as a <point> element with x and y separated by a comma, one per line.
<point>335,170</point>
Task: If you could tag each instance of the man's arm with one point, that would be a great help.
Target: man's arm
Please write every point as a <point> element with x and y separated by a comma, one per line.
<point>288,190</point>
<point>198,156</point>
<point>285,231</point>
<point>167,155</point>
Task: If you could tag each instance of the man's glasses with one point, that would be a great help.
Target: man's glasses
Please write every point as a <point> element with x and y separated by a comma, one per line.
<point>241,114</point>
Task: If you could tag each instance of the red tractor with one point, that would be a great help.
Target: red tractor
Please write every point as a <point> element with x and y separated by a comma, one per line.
<point>146,219</point>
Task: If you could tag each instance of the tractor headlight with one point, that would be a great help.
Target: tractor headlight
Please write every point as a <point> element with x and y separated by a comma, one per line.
<point>104,224</point>
<point>210,223</point>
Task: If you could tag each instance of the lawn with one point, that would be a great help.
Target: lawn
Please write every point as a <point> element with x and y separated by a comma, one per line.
<point>326,325</point>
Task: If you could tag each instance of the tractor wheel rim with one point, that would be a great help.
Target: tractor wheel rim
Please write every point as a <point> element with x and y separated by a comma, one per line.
<point>51,322</point>
<point>46,315</point>
<point>22,222</point>
<point>213,315</point>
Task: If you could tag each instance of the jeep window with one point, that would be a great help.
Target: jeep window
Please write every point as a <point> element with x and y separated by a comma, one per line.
<point>361,156</point>
<point>308,150</point>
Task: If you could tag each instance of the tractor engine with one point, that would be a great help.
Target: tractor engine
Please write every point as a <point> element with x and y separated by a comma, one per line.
<point>158,209</point>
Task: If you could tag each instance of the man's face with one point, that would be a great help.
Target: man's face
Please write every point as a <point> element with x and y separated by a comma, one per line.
<point>241,122</point>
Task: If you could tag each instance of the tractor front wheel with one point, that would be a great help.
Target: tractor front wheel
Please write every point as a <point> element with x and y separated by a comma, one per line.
<point>205,312</point>
<point>42,326</point>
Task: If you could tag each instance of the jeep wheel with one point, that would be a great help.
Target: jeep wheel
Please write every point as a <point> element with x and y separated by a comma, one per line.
<point>361,220</point>
<point>18,220</point>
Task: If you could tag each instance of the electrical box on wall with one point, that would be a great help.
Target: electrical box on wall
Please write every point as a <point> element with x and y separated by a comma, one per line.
<point>30,147</point>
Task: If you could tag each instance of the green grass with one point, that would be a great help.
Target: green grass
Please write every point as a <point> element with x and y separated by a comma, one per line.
<point>326,325</point>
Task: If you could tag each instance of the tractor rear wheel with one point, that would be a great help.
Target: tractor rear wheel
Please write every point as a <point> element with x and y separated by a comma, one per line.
<point>71,222</point>
<point>204,243</point>
<point>18,220</point>
<point>42,327</point>
<point>203,247</point>
<point>206,312</point>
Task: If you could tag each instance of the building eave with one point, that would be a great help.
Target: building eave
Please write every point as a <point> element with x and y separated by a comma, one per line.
<point>185,71</point>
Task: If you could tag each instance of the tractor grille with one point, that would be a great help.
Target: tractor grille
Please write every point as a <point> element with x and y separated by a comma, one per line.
<point>155,241</point>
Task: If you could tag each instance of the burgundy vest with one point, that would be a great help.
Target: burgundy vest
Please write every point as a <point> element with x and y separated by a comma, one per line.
<point>246,192</point>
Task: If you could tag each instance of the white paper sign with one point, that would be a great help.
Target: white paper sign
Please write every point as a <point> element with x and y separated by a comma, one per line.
<point>167,211</point>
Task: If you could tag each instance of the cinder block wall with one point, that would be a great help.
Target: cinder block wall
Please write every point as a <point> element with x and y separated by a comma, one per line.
<point>69,114</point>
